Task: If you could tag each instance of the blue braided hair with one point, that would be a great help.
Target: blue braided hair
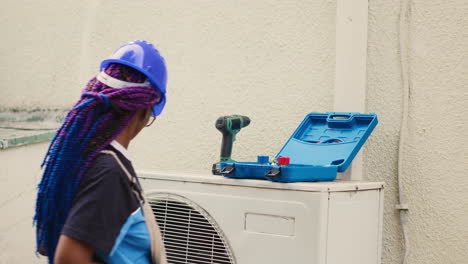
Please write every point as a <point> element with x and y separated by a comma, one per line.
<point>100,115</point>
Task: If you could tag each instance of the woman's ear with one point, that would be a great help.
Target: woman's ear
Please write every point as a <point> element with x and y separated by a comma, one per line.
<point>148,112</point>
<point>144,114</point>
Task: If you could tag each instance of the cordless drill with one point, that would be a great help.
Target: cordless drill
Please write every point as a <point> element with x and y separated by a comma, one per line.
<point>229,127</point>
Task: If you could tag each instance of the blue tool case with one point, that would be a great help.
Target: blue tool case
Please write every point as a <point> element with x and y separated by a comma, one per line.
<point>323,145</point>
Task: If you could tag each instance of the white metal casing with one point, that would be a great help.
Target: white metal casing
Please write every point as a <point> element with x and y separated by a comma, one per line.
<point>275,223</point>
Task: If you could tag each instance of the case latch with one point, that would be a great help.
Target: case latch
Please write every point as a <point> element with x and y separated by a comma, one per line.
<point>228,169</point>
<point>274,172</point>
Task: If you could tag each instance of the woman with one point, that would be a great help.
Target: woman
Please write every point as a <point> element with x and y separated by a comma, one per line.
<point>90,207</point>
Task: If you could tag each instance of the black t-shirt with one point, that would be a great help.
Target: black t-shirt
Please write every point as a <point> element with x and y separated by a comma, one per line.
<point>103,203</point>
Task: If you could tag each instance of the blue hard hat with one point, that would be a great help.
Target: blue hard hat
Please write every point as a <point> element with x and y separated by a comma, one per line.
<point>145,58</point>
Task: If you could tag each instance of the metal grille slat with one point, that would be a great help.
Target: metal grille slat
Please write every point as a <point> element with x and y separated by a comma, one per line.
<point>190,235</point>
<point>198,261</point>
<point>178,207</point>
<point>196,222</point>
<point>177,215</point>
<point>200,254</point>
<point>171,237</point>
<point>199,239</point>
<point>192,227</point>
<point>180,217</point>
<point>194,240</point>
<point>193,230</point>
<point>174,209</point>
<point>176,245</point>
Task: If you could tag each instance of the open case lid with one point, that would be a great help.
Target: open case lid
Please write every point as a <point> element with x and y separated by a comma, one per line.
<point>325,139</point>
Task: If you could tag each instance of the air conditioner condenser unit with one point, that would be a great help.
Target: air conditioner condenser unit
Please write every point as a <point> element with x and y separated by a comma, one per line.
<point>212,219</point>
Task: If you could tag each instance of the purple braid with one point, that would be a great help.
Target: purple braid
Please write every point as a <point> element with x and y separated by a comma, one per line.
<point>100,115</point>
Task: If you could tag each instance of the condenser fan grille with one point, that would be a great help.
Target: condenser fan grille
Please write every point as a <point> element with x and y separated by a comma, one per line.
<point>189,234</point>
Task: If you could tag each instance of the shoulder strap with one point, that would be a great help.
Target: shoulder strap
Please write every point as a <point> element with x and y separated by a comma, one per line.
<point>158,252</point>
<point>130,178</point>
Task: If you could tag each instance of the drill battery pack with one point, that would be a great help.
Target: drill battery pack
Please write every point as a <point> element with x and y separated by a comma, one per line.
<point>321,146</point>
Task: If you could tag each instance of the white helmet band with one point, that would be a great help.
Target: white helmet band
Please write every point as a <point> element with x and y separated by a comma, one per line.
<point>116,83</point>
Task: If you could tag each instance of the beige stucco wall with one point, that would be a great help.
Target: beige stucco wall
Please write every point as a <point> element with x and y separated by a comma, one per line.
<point>19,174</point>
<point>270,60</point>
<point>434,157</point>
<point>259,58</point>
